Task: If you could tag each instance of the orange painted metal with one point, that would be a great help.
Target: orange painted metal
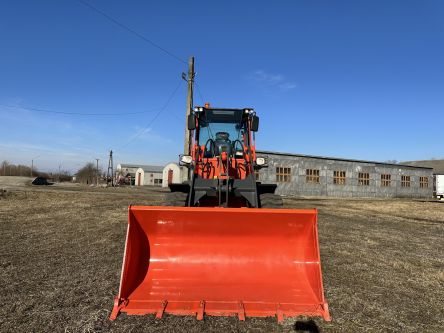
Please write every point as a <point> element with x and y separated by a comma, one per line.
<point>200,261</point>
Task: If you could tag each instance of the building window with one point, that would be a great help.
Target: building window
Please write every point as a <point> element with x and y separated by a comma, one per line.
<point>424,182</point>
<point>157,181</point>
<point>312,176</point>
<point>339,177</point>
<point>386,180</point>
<point>363,178</point>
<point>283,174</point>
<point>405,181</point>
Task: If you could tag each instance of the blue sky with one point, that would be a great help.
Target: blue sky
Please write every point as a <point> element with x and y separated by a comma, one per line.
<point>354,79</point>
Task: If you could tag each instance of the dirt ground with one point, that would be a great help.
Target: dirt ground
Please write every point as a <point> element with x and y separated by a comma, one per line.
<point>61,249</point>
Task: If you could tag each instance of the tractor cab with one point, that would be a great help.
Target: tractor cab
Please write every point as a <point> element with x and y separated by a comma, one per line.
<point>222,159</point>
<point>223,131</point>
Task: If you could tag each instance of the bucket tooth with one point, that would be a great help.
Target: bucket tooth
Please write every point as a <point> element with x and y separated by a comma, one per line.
<point>241,313</point>
<point>200,311</point>
<point>118,305</point>
<point>161,310</point>
<point>326,312</point>
<point>279,314</point>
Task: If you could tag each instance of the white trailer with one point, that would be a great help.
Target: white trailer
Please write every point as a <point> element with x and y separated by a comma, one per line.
<point>439,186</point>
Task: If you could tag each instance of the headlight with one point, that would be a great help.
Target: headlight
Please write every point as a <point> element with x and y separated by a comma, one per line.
<point>260,161</point>
<point>186,159</point>
<point>239,153</point>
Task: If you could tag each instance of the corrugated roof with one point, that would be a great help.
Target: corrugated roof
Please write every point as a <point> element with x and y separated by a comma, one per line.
<point>437,165</point>
<point>123,165</point>
<point>145,167</point>
<point>337,159</point>
<point>152,168</point>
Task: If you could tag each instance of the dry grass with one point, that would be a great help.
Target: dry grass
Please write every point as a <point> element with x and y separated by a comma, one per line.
<point>61,250</point>
<point>9,182</point>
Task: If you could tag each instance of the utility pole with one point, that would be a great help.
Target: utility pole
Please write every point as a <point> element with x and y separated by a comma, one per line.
<point>97,172</point>
<point>189,108</point>
<point>32,163</point>
<point>110,173</point>
<point>32,166</point>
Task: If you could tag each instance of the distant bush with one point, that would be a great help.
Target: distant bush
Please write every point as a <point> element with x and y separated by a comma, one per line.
<point>64,176</point>
<point>88,173</point>
<point>9,169</point>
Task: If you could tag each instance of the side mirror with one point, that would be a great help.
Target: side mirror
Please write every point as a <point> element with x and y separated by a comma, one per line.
<point>255,124</point>
<point>191,122</point>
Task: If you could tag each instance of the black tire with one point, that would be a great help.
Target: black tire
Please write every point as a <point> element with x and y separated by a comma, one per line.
<point>178,199</point>
<point>271,200</point>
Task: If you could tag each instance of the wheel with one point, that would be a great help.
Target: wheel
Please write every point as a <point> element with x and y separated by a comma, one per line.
<point>271,200</point>
<point>178,199</point>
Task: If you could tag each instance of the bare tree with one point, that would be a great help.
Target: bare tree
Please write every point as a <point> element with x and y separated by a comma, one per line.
<point>87,174</point>
<point>4,168</point>
<point>64,176</point>
<point>9,169</point>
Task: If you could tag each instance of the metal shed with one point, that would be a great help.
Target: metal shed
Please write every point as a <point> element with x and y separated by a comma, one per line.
<point>149,175</point>
<point>307,175</point>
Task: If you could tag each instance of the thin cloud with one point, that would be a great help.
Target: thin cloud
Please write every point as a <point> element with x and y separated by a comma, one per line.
<point>271,80</point>
<point>286,86</point>
<point>46,157</point>
<point>267,78</point>
<point>147,134</point>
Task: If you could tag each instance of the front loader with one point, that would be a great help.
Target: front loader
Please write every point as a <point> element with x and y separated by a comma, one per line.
<point>222,245</point>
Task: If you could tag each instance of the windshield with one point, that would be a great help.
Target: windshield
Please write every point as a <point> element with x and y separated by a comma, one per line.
<point>225,125</point>
<point>221,131</point>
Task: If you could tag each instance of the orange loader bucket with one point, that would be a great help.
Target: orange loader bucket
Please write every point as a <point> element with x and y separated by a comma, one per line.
<point>246,262</point>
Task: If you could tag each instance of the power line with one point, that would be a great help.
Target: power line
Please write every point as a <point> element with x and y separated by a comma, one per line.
<point>76,113</point>
<point>153,119</point>
<point>199,92</point>
<point>125,27</point>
